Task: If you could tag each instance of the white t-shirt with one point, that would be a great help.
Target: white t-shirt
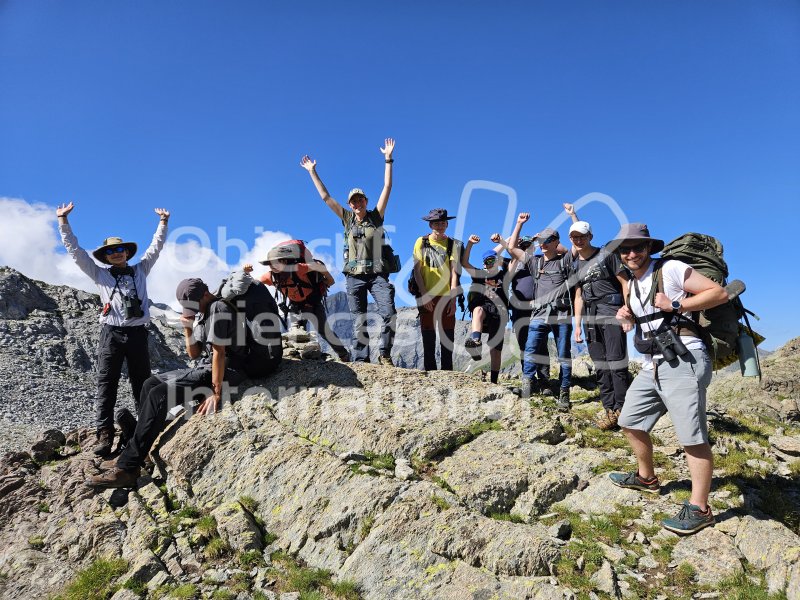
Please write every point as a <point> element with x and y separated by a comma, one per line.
<point>674,274</point>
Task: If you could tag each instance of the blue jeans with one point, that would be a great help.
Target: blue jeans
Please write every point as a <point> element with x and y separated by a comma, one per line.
<point>536,355</point>
<point>383,293</point>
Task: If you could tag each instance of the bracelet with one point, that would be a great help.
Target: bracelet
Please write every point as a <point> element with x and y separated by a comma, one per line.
<point>391,160</point>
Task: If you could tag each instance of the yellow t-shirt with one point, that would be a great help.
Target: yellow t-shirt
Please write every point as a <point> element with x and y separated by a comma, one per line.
<point>436,269</point>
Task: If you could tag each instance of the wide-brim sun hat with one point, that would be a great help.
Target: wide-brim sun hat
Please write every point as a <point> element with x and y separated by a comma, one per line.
<point>437,214</point>
<point>114,242</point>
<point>638,232</point>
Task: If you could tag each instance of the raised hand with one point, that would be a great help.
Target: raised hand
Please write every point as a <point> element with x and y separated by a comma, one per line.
<point>523,217</point>
<point>64,210</point>
<point>496,238</point>
<point>163,213</point>
<point>388,148</point>
<point>570,208</point>
<point>474,239</point>
<point>247,268</point>
<point>307,163</point>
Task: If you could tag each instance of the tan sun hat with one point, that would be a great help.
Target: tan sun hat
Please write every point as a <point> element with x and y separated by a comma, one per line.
<point>114,242</point>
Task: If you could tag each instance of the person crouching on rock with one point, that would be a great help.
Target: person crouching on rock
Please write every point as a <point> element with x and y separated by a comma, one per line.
<point>436,269</point>
<point>211,331</point>
<point>675,373</point>
<point>365,266</point>
<point>124,316</point>
<point>302,281</point>
<point>488,303</point>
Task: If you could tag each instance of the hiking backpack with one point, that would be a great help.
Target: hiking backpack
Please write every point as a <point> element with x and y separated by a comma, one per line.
<point>719,326</point>
<point>252,300</point>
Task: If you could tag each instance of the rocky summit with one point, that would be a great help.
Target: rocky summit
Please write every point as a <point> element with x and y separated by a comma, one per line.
<point>332,480</point>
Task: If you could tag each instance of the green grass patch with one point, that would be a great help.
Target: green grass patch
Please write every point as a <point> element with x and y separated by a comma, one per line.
<point>206,526</point>
<point>216,548</point>
<point>312,583</point>
<point>249,503</point>
<point>684,576</point>
<point>366,526</point>
<point>345,589</point>
<point>188,512</point>
<point>137,586</point>
<point>603,440</point>
<point>504,516</point>
<point>96,582</point>
<point>223,594</point>
<point>380,461</point>
<point>742,587</point>
<point>239,582</point>
<point>187,591</point>
<point>440,502</point>
<point>251,558</point>
<point>615,465</point>
<point>269,538</point>
<point>735,463</point>
<point>442,484</point>
<point>43,507</point>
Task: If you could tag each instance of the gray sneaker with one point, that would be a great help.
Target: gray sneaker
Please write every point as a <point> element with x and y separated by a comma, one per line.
<point>690,519</point>
<point>633,481</point>
<point>563,403</point>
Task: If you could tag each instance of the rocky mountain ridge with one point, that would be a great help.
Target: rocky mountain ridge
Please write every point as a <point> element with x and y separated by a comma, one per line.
<point>333,480</point>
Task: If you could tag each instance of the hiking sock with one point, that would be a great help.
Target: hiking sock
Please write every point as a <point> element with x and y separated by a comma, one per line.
<point>494,375</point>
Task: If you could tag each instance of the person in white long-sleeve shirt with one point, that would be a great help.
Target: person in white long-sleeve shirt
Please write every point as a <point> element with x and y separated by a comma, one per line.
<point>124,315</point>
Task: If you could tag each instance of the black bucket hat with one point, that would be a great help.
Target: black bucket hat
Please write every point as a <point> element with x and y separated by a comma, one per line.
<point>437,214</point>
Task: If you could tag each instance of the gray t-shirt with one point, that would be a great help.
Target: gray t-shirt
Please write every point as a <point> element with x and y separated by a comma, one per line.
<point>221,326</point>
<point>551,287</point>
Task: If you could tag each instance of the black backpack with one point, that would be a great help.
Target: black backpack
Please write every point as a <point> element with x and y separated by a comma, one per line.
<point>251,299</point>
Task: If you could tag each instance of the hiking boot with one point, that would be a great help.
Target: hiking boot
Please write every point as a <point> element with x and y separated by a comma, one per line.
<point>609,420</point>
<point>690,519</point>
<point>107,465</point>
<point>633,481</point>
<point>563,403</point>
<point>114,478</point>
<point>385,361</point>
<point>543,388</point>
<point>474,347</point>
<point>344,356</point>
<point>105,439</point>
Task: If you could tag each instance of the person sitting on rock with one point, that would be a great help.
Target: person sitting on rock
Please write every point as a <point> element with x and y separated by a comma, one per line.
<point>675,373</point>
<point>366,267</point>
<point>436,270</point>
<point>214,335</point>
<point>123,318</point>
<point>302,281</point>
<point>487,302</point>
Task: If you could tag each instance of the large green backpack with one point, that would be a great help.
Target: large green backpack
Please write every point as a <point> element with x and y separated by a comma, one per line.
<point>718,326</point>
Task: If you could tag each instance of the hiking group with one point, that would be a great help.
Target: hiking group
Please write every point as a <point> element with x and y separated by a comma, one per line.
<point>596,294</point>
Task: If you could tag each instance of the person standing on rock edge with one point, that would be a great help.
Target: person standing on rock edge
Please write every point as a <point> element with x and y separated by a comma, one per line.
<point>599,279</point>
<point>675,373</point>
<point>124,316</point>
<point>210,326</point>
<point>365,265</point>
<point>436,267</point>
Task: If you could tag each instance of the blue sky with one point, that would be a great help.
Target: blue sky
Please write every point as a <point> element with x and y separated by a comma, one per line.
<point>685,113</point>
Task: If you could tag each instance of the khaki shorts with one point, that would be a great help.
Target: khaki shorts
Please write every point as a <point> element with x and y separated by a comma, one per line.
<point>680,391</point>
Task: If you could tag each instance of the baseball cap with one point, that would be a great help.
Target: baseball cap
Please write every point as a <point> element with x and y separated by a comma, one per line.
<point>189,293</point>
<point>547,232</point>
<point>581,227</point>
<point>356,192</point>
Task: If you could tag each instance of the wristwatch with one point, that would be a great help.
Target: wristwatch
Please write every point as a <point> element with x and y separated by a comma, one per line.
<point>676,306</point>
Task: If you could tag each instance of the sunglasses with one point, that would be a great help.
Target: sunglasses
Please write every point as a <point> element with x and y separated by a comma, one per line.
<point>548,240</point>
<point>489,261</point>
<point>117,250</point>
<point>638,248</point>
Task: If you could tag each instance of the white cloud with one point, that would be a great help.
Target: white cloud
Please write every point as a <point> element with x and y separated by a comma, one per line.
<point>29,243</point>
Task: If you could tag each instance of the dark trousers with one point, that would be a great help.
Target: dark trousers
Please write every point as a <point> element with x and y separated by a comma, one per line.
<point>315,313</point>
<point>383,292</point>
<point>159,394</point>
<point>430,322</point>
<point>608,347</point>
<point>520,322</point>
<point>118,345</point>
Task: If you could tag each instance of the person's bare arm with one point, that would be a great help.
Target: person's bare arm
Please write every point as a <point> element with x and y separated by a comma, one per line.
<point>705,293</point>
<point>193,349</point>
<point>383,200</point>
<point>570,208</point>
<point>517,253</point>
<point>465,264</point>
<point>211,404</point>
<point>578,306</point>
<point>522,218</point>
<point>311,166</point>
